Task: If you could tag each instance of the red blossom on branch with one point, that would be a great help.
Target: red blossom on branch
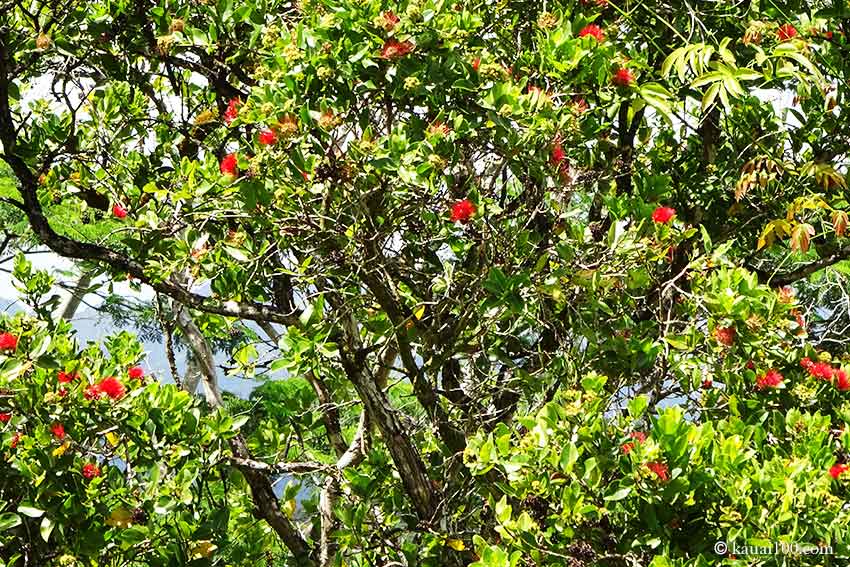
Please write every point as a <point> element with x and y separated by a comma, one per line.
<point>232,110</point>
<point>8,341</point>
<point>770,379</point>
<point>90,471</point>
<point>725,335</point>
<point>112,387</point>
<point>267,137</point>
<point>623,77</point>
<point>462,211</point>
<point>58,430</point>
<point>837,470</point>
<point>663,215</point>
<point>786,32</point>
<point>136,373</point>
<point>395,49</point>
<point>66,377</point>
<point>661,470</point>
<point>593,31</point>
<point>5,417</point>
<point>228,165</point>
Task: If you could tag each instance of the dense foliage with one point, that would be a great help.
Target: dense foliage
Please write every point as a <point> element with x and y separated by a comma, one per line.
<point>554,283</point>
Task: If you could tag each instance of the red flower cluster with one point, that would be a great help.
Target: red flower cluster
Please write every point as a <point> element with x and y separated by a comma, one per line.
<point>462,211</point>
<point>786,32</point>
<point>228,165</point>
<point>837,470</point>
<point>638,436</point>
<point>593,31</point>
<point>623,77</point>
<point>118,211</point>
<point>16,438</point>
<point>58,430</point>
<point>725,335</point>
<point>707,384</point>
<point>109,386</point>
<point>112,387</point>
<point>827,372</point>
<point>90,471</point>
<point>389,20</point>
<point>476,63</point>
<point>660,469</point>
<point>663,215</point>
<point>5,417</point>
<point>66,377</point>
<point>136,373</point>
<point>232,110</point>
<point>395,49</point>
<point>8,341</point>
<point>770,379</point>
<point>558,158</point>
<point>267,137</point>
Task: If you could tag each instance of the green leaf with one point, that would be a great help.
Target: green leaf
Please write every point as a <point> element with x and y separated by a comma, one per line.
<point>619,495</point>
<point>46,528</point>
<point>30,511</point>
<point>9,521</point>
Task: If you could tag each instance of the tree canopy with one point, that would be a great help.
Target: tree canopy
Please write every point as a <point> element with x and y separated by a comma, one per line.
<point>551,283</point>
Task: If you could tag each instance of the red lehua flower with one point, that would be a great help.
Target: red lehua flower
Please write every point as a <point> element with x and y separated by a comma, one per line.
<point>751,365</point>
<point>390,20</point>
<point>395,49</point>
<point>118,211</point>
<point>136,373</point>
<point>58,430</point>
<point>558,154</point>
<point>807,363</point>
<point>232,110</point>
<point>90,471</point>
<point>5,417</point>
<point>476,63</point>
<point>463,210</point>
<point>112,387</point>
<point>62,392</point>
<point>638,436</point>
<point>660,469</point>
<point>663,215</point>
<point>837,470</point>
<point>623,77</point>
<point>821,370</point>
<point>786,294</point>
<point>8,341</point>
<point>228,165</point>
<point>92,392</point>
<point>842,382</point>
<point>770,379</point>
<point>267,137</point>
<point>16,438</point>
<point>725,335</point>
<point>593,31</point>
<point>66,377</point>
<point>827,34</point>
<point>786,32</point>
<point>707,384</point>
